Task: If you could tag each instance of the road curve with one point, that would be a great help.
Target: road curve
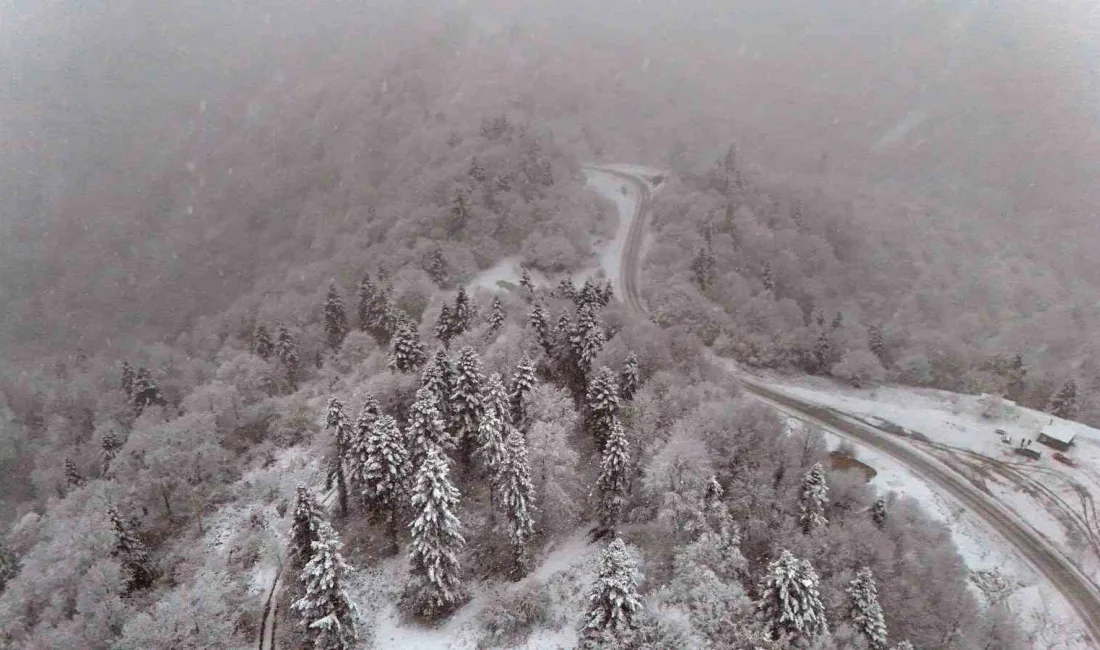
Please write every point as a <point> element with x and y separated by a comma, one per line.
<point>1078,590</point>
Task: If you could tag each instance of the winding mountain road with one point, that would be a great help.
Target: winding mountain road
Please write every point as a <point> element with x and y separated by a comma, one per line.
<point>1078,590</point>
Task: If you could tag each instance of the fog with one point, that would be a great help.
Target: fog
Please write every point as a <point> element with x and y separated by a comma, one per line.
<point>987,108</point>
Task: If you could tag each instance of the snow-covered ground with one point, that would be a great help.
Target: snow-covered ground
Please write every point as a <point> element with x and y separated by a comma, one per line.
<point>968,441</point>
<point>376,593</point>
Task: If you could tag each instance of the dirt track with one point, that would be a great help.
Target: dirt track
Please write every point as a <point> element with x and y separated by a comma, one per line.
<point>1078,590</point>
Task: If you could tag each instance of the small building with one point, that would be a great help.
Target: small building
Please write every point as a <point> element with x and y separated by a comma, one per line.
<point>1058,435</point>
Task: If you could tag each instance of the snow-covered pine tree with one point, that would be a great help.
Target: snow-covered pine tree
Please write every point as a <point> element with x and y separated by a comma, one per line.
<point>336,317</point>
<point>790,601</point>
<point>612,482</point>
<point>589,294</point>
<point>436,266</point>
<point>876,341</point>
<point>110,444</point>
<point>463,312</point>
<point>565,290</point>
<point>477,171</point>
<point>540,322</point>
<point>426,428</point>
<point>305,527</point>
<point>614,604</point>
<point>368,292</point>
<point>878,511</point>
<point>467,403</point>
<point>630,379</point>
<point>458,216</point>
<point>523,382</point>
<point>407,353</point>
<point>601,405</point>
<point>438,377</point>
<point>262,344</point>
<point>904,645</point>
<point>289,353</point>
<point>146,391</point>
<point>337,420</point>
<point>382,473</point>
<point>72,474</point>
<point>496,317</point>
<point>1064,403</point>
<point>607,293</point>
<point>526,283</point>
<point>435,582</point>
<point>131,553</point>
<point>127,382</point>
<point>327,613</point>
<point>445,326</point>
<point>492,429</point>
<point>703,268</point>
<point>812,499</point>
<point>865,610</point>
<point>516,498</point>
<point>586,339</point>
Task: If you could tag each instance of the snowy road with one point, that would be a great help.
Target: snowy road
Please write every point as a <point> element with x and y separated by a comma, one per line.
<point>1075,587</point>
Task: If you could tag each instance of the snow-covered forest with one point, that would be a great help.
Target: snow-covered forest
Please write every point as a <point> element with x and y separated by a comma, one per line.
<point>249,395</point>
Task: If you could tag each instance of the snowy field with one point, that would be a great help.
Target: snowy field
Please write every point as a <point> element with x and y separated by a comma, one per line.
<point>1047,494</point>
<point>377,591</point>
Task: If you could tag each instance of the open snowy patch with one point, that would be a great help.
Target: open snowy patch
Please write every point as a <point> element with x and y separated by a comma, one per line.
<point>376,593</point>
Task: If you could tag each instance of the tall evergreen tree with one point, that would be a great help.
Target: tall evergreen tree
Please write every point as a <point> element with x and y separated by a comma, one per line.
<point>439,378</point>
<point>540,322</point>
<point>607,293</point>
<point>878,511</point>
<point>611,485</point>
<point>630,379</point>
<point>459,215</point>
<point>703,267</point>
<point>368,292</point>
<point>812,499</point>
<point>384,469</point>
<point>601,410</point>
<point>131,553</point>
<point>614,605</point>
<point>586,339</point>
<point>407,353</point>
<point>445,327</point>
<point>523,382</point>
<point>1064,403</point>
<point>516,498</point>
<point>305,528</point>
<point>110,444</point>
<point>589,294</point>
<point>865,610</point>
<point>463,311</point>
<point>492,429</point>
<point>526,283</point>
<point>565,290</point>
<point>426,428</point>
<point>336,420</point>
<point>289,352</point>
<point>262,344</point>
<point>496,317</point>
<point>72,474</point>
<point>127,381</point>
<point>467,402</point>
<point>146,391</point>
<point>436,266</point>
<point>326,611</point>
<point>435,582</point>
<point>876,341</point>
<point>790,601</point>
<point>336,318</point>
